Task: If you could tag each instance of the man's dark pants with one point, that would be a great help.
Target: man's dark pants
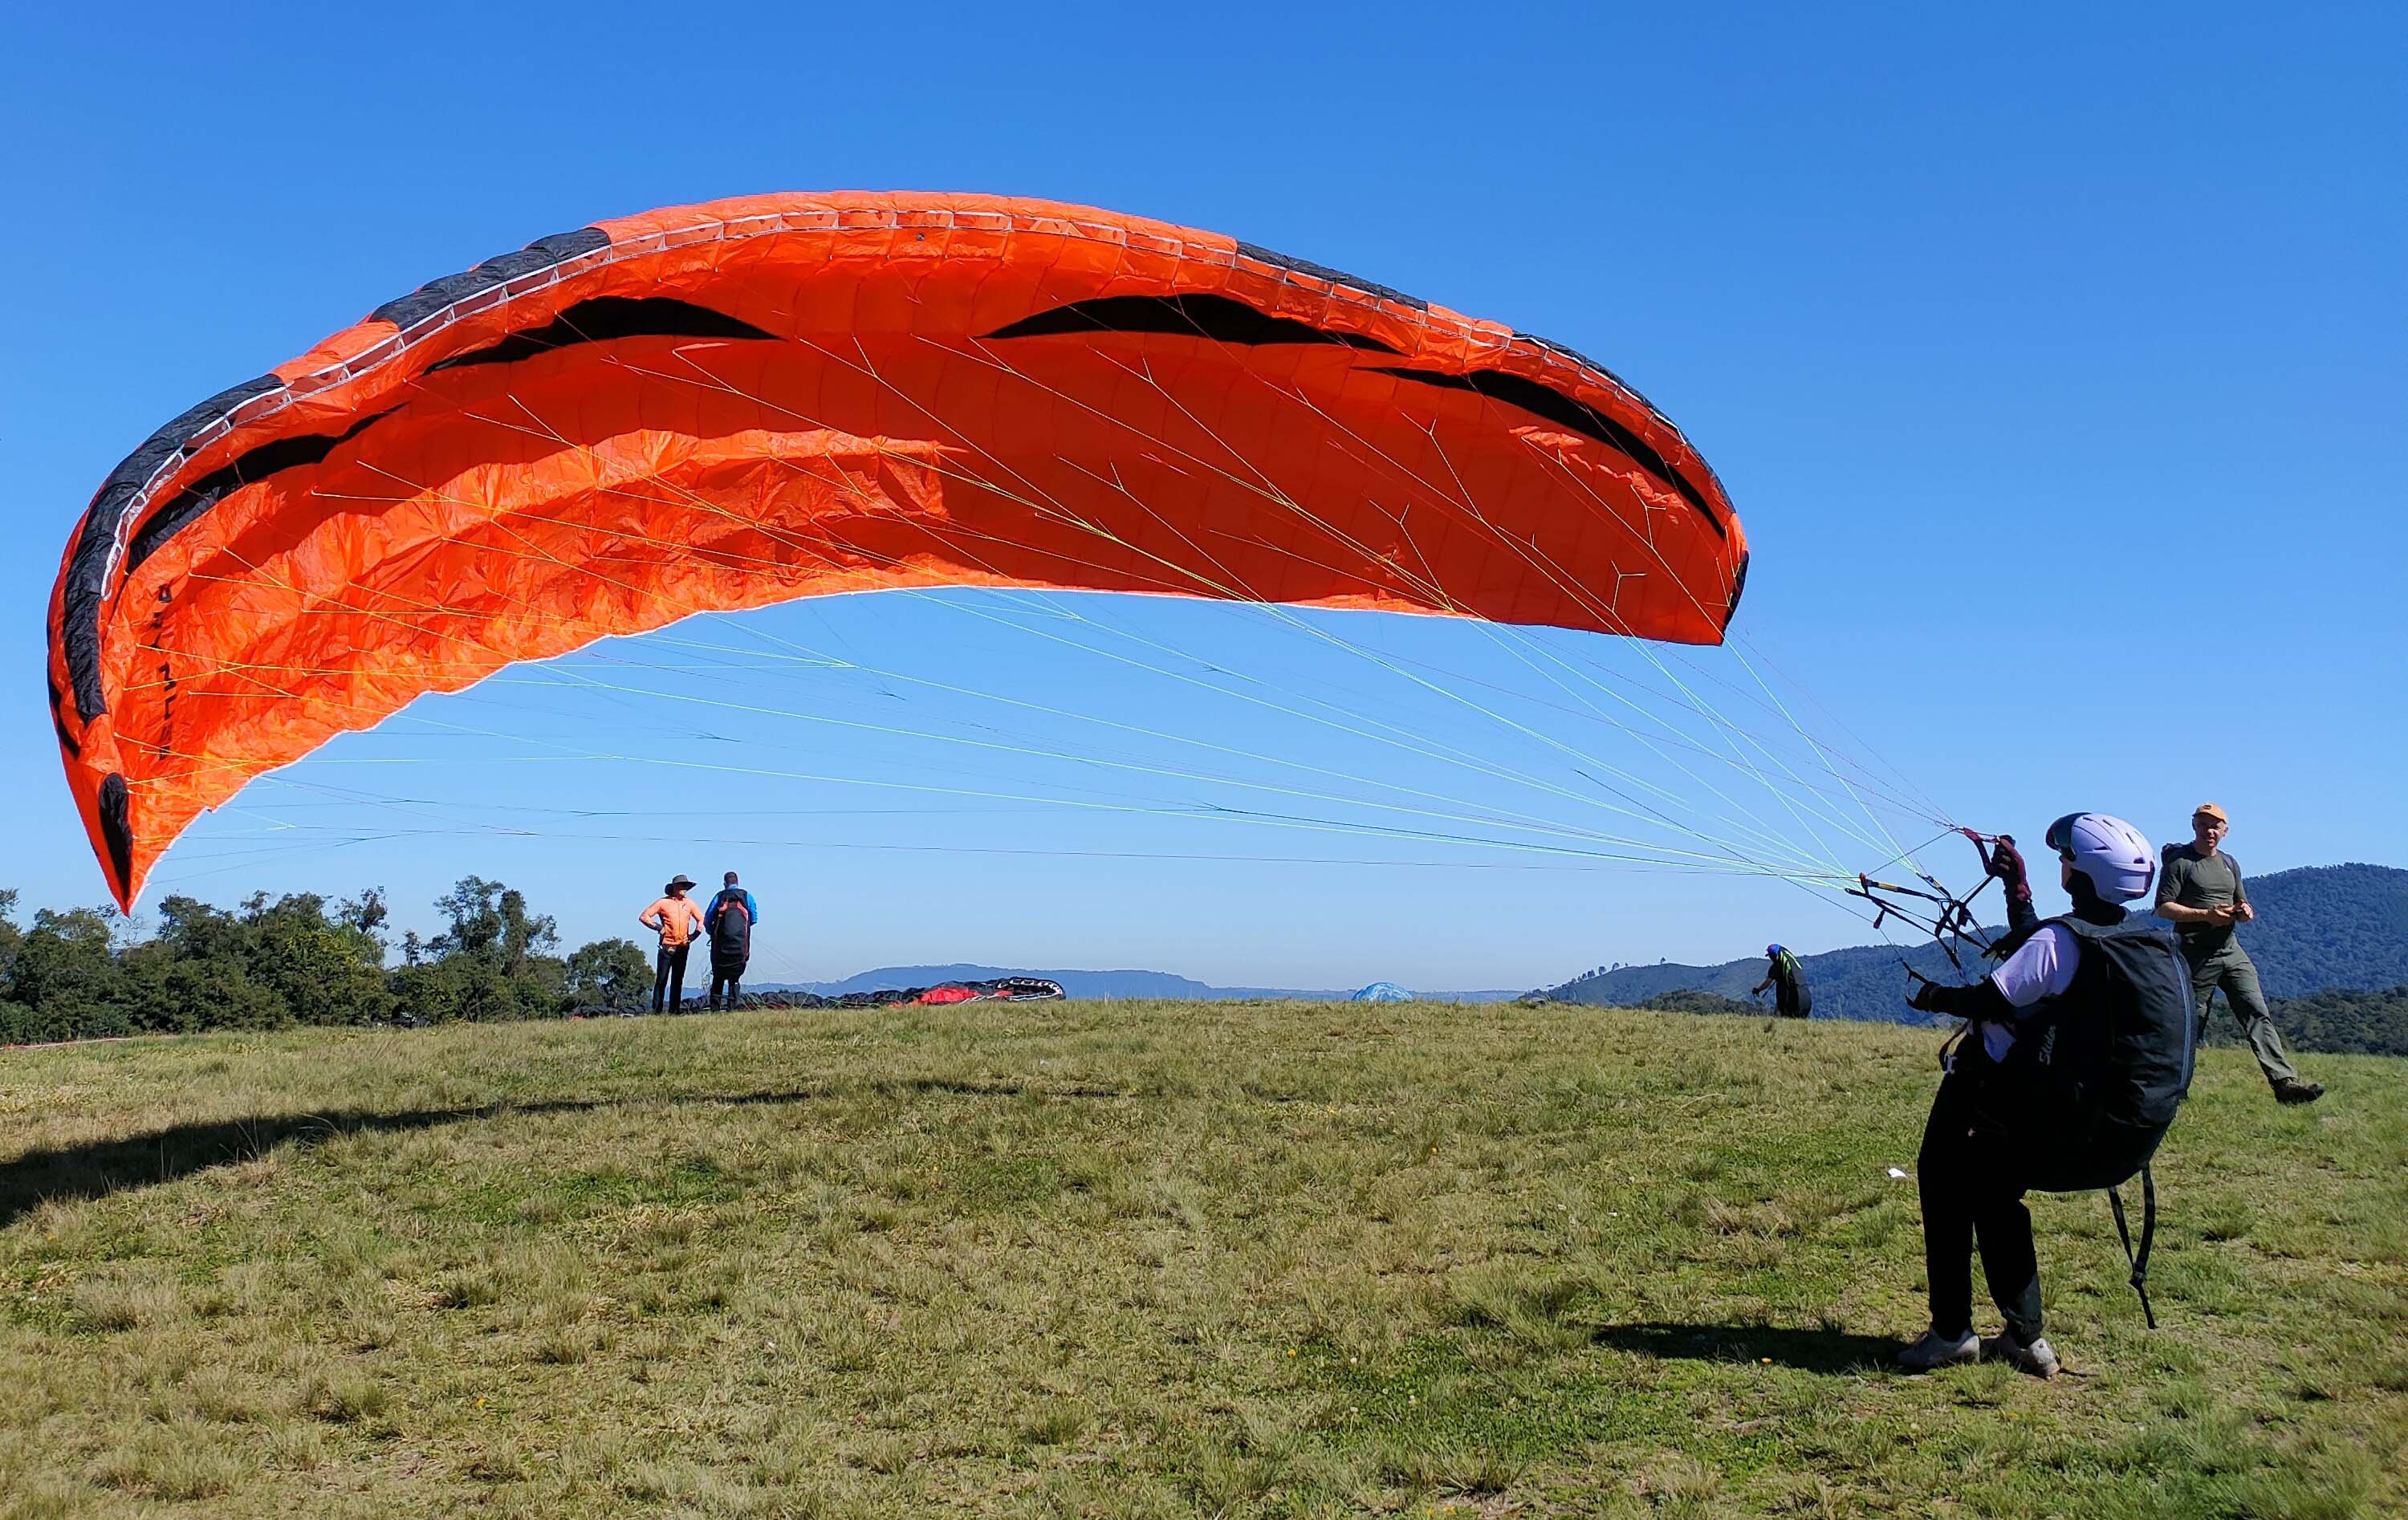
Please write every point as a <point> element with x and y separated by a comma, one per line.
<point>1971,1191</point>
<point>729,975</point>
<point>2227,966</point>
<point>668,976</point>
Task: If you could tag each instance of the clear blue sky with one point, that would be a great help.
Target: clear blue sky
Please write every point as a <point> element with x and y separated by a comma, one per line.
<point>2053,358</point>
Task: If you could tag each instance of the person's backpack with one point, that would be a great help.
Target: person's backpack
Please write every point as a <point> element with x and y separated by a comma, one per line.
<point>731,926</point>
<point>1793,999</point>
<point>2090,1085</point>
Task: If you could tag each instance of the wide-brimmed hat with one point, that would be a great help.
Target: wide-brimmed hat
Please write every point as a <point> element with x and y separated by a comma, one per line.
<point>679,883</point>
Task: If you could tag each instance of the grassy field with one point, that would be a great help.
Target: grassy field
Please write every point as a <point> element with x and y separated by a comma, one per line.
<point>1136,1260</point>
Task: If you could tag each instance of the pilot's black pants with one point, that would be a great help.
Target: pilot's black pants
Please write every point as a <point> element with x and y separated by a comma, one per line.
<point>729,975</point>
<point>668,975</point>
<point>1973,1190</point>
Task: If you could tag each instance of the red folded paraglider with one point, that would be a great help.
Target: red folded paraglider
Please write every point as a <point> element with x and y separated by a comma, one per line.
<point>734,404</point>
<point>1010,989</point>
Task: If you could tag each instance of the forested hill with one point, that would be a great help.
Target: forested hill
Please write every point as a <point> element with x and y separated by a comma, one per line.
<point>2319,928</point>
<point>2325,926</point>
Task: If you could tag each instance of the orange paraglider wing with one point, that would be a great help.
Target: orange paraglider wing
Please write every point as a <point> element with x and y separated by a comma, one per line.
<point>732,405</point>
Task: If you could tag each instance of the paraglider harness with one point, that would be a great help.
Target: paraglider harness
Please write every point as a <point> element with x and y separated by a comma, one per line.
<point>2090,1085</point>
<point>1951,923</point>
<point>729,920</point>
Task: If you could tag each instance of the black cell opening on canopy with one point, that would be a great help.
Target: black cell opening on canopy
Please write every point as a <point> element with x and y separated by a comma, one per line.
<point>603,319</point>
<point>1578,416</point>
<point>1219,318</point>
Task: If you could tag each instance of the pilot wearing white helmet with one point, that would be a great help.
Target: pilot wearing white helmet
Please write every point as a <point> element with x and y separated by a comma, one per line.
<point>2085,1005</point>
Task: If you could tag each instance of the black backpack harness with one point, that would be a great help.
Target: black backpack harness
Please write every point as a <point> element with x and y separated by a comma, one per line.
<point>2091,1083</point>
<point>731,938</point>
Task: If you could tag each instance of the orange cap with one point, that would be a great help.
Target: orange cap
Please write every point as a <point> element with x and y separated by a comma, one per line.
<point>2208,810</point>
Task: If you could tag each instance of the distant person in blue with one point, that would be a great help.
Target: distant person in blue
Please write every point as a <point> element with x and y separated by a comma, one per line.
<point>728,922</point>
<point>1792,998</point>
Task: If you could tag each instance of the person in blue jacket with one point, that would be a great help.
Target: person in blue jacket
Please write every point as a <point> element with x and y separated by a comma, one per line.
<point>728,923</point>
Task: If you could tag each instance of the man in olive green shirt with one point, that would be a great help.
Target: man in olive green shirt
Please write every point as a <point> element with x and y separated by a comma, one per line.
<point>2201,893</point>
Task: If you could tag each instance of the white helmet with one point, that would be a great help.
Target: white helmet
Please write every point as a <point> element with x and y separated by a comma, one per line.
<point>2112,853</point>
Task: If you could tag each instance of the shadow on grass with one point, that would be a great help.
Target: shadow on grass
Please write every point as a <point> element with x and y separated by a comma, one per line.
<point>96,1169</point>
<point>1811,1351</point>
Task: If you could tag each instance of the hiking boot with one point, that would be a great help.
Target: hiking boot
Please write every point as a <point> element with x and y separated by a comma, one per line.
<point>2292,1090</point>
<point>2036,1355</point>
<point>1936,1350</point>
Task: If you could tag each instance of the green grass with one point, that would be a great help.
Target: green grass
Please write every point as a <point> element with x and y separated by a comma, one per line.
<point>1140,1259</point>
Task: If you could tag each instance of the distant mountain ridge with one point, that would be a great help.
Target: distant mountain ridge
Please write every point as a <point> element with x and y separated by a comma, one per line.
<point>2319,928</point>
<point>1083,984</point>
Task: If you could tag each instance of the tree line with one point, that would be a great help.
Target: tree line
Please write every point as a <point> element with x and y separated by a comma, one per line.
<point>83,973</point>
<point>2346,1023</point>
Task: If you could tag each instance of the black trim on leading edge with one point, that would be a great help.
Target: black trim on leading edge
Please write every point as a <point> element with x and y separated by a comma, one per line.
<point>248,469</point>
<point>587,321</point>
<point>1198,314</point>
<point>542,253</point>
<point>604,318</point>
<point>1555,406</point>
<point>1577,357</point>
<point>1335,277</point>
<point>59,721</point>
<point>114,830</point>
<point>86,582</point>
<point>87,573</point>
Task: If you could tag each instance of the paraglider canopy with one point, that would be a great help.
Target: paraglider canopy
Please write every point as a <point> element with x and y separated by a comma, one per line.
<point>1384,992</point>
<point>730,406</point>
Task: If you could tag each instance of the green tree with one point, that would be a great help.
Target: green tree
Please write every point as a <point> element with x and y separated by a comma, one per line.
<point>10,935</point>
<point>326,971</point>
<point>465,987</point>
<point>177,996</point>
<point>608,973</point>
<point>523,934</point>
<point>276,961</point>
<point>193,930</point>
<point>201,972</point>
<point>66,970</point>
<point>367,914</point>
<point>476,930</point>
<point>489,963</point>
<point>17,1021</point>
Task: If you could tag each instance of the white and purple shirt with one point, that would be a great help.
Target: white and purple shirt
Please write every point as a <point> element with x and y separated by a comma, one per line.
<point>2041,969</point>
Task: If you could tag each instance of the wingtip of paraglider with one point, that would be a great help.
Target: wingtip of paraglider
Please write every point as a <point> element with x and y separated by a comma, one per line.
<point>105,802</point>
<point>1739,588</point>
<point>110,821</point>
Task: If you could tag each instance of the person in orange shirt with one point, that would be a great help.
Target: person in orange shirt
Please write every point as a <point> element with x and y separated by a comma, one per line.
<point>678,921</point>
